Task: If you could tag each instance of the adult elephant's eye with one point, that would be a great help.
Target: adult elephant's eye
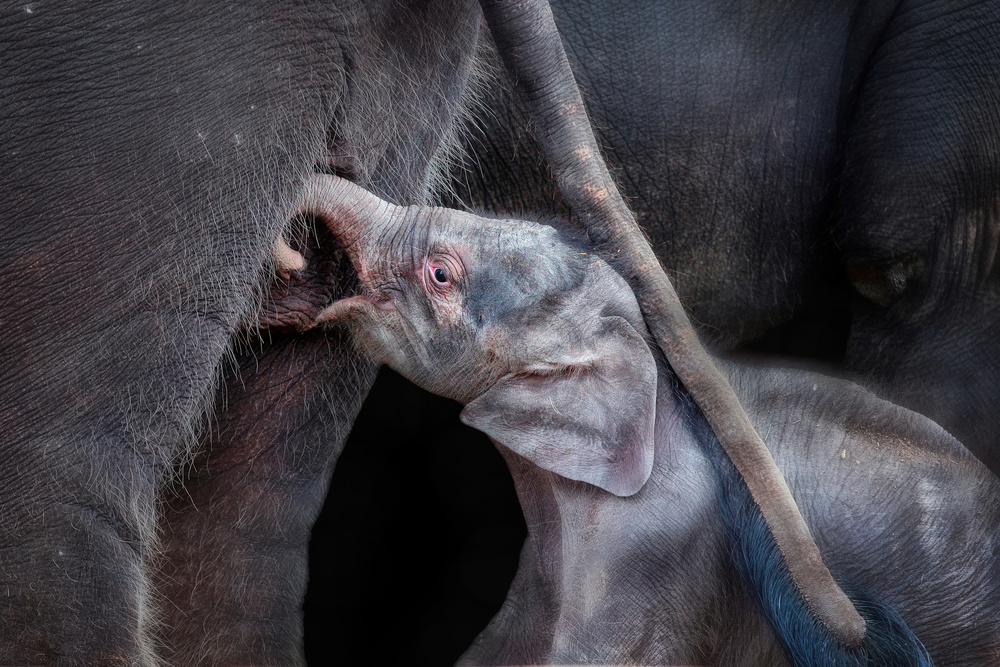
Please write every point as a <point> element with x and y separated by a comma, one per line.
<point>440,275</point>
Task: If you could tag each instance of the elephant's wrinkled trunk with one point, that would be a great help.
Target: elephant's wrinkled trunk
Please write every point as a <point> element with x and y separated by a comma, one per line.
<point>527,38</point>
<point>357,219</point>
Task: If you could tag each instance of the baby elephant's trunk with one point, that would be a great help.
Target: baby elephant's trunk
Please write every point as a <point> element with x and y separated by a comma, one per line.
<point>356,217</point>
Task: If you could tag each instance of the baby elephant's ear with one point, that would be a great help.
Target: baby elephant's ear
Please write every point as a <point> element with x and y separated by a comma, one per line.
<point>586,417</point>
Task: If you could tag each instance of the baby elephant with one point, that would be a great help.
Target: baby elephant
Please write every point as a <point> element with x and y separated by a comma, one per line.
<point>644,546</point>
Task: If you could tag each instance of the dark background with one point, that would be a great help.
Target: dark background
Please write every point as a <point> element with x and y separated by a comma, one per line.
<point>418,539</point>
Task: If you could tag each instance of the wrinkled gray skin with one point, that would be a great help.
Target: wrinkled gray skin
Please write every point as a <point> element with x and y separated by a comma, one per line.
<point>152,155</point>
<point>544,345</point>
<point>792,161</point>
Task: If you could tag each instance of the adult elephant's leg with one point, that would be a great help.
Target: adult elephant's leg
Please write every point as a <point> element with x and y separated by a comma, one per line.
<point>105,380</point>
<point>236,535</point>
<point>236,525</point>
<point>151,155</point>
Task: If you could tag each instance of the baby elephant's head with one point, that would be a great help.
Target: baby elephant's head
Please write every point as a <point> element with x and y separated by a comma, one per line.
<point>539,338</point>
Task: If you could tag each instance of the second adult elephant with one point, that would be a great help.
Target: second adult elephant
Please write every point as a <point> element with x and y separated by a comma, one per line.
<point>829,168</point>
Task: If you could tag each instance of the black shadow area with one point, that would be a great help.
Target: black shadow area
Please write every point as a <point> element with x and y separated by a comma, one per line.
<point>418,540</point>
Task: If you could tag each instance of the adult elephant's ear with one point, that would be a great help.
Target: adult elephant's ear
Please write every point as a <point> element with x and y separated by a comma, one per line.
<point>527,40</point>
<point>587,415</point>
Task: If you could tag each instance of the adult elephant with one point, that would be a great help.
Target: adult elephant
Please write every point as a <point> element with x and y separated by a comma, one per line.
<point>153,156</point>
<point>809,173</point>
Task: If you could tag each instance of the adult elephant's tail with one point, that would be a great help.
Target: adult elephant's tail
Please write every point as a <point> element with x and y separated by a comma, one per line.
<point>888,641</point>
<point>526,36</point>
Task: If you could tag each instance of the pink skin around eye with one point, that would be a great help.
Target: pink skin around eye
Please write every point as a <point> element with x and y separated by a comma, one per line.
<point>437,275</point>
<point>438,278</point>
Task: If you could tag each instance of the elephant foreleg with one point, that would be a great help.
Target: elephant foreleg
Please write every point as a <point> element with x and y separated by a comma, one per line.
<point>236,532</point>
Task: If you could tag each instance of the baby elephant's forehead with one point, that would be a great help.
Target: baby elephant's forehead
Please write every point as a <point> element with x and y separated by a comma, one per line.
<point>503,233</point>
<point>519,264</point>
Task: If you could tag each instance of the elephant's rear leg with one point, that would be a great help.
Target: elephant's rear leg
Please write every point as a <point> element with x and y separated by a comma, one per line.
<point>236,527</point>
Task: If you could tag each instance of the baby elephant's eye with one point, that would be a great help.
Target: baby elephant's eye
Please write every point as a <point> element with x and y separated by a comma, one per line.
<point>439,274</point>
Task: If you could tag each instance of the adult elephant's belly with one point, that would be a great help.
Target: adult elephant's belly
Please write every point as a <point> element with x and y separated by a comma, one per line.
<point>722,147</point>
<point>152,157</point>
<point>719,124</point>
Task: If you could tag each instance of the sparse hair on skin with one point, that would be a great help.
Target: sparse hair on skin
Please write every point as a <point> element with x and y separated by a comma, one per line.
<point>888,642</point>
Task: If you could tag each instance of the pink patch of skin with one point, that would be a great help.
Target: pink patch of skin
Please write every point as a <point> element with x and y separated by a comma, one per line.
<point>443,296</point>
<point>286,260</point>
<point>366,276</point>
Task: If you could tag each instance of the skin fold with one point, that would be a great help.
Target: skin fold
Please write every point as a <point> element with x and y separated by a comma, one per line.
<point>543,343</point>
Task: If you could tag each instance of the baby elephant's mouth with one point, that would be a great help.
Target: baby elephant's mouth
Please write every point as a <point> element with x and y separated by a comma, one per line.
<point>347,309</point>
<point>294,299</point>
<point>364,294</point>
